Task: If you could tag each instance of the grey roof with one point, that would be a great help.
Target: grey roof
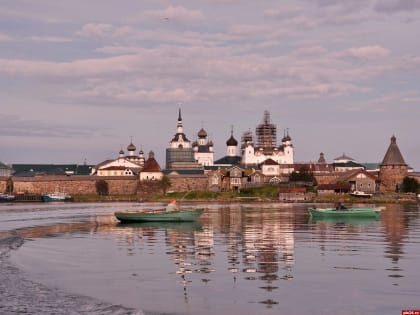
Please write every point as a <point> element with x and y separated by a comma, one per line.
<point>2,165</point>
<point>321,158</point>
<point>344,157</point>
<point>393,155</point>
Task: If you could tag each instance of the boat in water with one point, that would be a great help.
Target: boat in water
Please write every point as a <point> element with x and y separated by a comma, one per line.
<point>345,213</point>
<point>159,216</point>
<point>56,197</point>
<point>361,194</point>
<point>178,225</point>
<point>6,197</point>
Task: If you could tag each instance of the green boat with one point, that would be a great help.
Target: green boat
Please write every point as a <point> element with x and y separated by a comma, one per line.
<point>345,213</point>
<point>159,216</point>
<point>179,226</point>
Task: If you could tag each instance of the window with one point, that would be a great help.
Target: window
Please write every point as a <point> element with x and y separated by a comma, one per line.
<point>235,181</point>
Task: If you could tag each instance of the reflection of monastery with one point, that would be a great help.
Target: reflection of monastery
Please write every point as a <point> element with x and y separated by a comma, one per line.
<point>259,160</point>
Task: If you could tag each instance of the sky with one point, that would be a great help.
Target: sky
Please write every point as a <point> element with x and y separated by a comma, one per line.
<point>79,79</point>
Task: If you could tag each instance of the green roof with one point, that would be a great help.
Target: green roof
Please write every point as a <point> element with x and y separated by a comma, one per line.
<point>228,160</point>
<point>50,169</point>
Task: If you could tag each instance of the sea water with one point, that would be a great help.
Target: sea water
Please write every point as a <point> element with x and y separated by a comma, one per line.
<point>253,258</point>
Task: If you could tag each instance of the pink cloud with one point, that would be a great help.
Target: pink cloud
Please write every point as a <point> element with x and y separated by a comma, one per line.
<point>367,52</point>
<point>178,14</point>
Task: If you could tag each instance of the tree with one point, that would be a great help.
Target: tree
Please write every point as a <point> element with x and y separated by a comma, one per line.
<point>410,184</point>
<point>303,175</point>
<point>165,183</point>
<point>9,185</point>
<point>102,187</point>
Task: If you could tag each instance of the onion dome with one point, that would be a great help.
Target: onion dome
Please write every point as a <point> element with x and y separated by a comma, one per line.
<point>121,152</point>
<point>131,147</point>
<point>322,158</point>
<point>231,142</point>
<point>286,136</point>
<point>202,133</point>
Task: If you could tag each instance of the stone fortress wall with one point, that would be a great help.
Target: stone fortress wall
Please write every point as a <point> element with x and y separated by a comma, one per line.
<point>81,185</point>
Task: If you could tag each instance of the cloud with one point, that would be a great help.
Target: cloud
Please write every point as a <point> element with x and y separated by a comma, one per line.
<point>77,68</point>
<point>177,14</point>
<point>5,38</point>
<point>367,52</point>
<point>51,39</point>
<point>106,31</point>
<point>13,126</point>
<point>393,6</point>
<point>284,13</point>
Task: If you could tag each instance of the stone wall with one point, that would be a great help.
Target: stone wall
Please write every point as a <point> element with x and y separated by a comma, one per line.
<point>392,175</point>
<point>322,179</point>
<point>74,184</point>
<point>121,185</point>
<point>188,183</point>
<point>149,188</point>
<point>3,181</point>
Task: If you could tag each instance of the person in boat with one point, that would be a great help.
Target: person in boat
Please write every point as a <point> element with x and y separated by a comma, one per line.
<point>340,206</point>
<point>172,206</point>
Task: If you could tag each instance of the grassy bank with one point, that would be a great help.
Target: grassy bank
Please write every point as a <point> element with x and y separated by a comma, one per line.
<point>269,193</point>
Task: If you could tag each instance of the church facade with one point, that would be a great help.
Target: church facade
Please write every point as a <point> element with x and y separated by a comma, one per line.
<point>180,156</point>
<point>203,149</point>
<point>125,165</point>
<point>256,150</point>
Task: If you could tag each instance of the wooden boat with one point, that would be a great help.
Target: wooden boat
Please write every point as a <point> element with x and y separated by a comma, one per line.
<point>56,196</point>
<point>348,220</point>
<point>169,225</point>
<point>159,216</point>
<point>360,194</point>
<point>345,213</point>
<point>6,197</point>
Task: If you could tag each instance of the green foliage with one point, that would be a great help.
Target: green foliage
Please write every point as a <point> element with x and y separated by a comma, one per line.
<point>410,184</point>
<point>265,191</point>
<point>165,183</point>
<point>303,175</point>
<point>102,187</point>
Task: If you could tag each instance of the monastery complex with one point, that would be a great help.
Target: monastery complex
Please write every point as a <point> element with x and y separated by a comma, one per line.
<point>259,159</point>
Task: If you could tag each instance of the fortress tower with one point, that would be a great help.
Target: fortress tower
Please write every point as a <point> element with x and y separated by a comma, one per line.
<point>393,168</point>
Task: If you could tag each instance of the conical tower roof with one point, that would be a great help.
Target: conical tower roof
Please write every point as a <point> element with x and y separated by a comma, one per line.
<point>393,155</point>
<point>151,165</point>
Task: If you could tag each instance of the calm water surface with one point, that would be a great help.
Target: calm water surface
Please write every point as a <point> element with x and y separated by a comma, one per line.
<point>239,259</point>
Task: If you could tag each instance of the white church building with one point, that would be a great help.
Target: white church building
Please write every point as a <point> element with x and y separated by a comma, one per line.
<point>265,147</point>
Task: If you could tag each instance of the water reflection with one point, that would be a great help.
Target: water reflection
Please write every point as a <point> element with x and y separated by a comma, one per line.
<point>249,253</point>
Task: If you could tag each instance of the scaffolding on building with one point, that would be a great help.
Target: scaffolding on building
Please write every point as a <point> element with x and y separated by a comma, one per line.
<point>266,133</point>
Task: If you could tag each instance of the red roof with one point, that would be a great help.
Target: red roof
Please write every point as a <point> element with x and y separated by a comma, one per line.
<point>151,165</point>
